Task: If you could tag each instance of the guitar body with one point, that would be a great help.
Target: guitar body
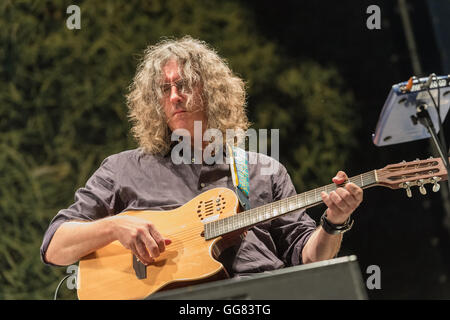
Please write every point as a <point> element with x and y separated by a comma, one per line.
<point>108,272</point>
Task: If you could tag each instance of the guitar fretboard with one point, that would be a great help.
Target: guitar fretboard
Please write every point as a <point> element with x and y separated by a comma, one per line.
<point>278,208</point>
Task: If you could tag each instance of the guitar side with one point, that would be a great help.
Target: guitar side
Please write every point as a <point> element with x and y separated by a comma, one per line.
<point>108,272</point>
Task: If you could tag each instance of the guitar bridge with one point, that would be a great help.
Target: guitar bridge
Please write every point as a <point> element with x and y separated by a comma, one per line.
<point>139,268</point>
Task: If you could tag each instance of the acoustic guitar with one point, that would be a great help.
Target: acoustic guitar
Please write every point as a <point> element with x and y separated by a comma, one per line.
<point>202,228</point>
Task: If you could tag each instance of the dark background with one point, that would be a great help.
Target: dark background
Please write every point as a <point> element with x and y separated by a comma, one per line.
<point>62,111</point>
<point>404,237</point>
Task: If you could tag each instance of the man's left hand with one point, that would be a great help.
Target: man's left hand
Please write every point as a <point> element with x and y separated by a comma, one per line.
<point>342,202</point>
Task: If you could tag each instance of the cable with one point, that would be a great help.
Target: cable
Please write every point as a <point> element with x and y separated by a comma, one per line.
<point>57,288</point>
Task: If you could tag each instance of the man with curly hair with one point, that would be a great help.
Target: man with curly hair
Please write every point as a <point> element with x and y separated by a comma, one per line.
<point>180,83</point>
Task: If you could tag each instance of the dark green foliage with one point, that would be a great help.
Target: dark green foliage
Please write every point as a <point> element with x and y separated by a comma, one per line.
<point>62,108</point>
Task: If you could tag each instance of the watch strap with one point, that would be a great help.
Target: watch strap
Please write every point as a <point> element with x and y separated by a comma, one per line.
<point>332,228</point>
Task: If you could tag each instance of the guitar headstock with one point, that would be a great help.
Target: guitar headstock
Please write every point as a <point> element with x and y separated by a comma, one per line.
<point>413,173</point>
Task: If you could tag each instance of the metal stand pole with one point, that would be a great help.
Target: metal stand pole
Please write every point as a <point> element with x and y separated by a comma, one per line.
<point>423,117</point>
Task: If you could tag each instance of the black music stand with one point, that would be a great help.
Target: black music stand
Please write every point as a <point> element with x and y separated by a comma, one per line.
<point>415,110</point>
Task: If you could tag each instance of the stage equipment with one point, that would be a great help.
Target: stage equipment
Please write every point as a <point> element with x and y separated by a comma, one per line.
<point>338,278</point>
<point>415,110</point>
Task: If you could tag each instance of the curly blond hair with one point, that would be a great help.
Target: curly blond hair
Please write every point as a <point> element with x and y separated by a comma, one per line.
<point>223,94</point>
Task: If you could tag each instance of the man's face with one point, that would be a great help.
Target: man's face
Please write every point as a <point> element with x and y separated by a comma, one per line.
<point>174,101</point>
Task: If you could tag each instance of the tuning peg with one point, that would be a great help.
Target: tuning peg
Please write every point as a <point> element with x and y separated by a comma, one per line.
<point>408,192</point>
<point>421,187</point>
<point>436,185</point>
<point>423,190</point>
<point>408,189</point>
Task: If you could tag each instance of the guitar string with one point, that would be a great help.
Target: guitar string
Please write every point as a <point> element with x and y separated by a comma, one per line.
<point>194,233</point>
<point>257,211</point>
<point>292,203</point>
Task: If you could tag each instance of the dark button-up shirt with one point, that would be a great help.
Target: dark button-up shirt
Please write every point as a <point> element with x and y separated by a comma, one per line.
<point>133,180</point>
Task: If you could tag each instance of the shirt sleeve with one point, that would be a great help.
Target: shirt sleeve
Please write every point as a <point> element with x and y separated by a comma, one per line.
<point>96,200</point>
<point>291,231</point>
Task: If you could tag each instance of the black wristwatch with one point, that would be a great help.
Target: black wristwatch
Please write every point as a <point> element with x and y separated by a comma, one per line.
<point>332,228</point>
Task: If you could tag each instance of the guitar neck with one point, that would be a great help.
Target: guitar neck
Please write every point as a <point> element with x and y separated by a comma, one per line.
<point>278,208</point>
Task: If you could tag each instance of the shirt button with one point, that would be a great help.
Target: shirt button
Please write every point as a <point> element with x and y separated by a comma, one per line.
<point>202,185</point>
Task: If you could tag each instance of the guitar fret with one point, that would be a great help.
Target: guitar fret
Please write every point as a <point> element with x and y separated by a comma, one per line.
<point>215,227</point>
<point>262,214</point>
<point>291,206</point>
<point>257,215</point>
<point>207,232</point>
<point>221,226</point>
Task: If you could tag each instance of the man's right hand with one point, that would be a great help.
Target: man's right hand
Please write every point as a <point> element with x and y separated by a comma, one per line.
<point>140,236</point>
